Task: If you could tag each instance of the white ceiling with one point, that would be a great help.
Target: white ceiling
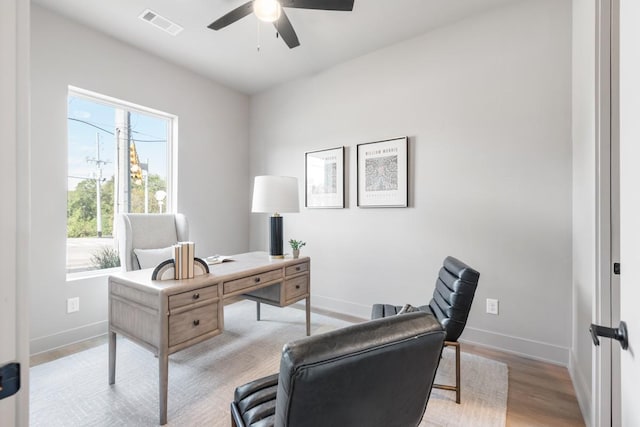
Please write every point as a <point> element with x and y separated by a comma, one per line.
<point>230,56</point>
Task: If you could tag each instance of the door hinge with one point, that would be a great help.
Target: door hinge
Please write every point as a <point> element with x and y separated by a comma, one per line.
<point>616,268</point>
<point>9,379</point>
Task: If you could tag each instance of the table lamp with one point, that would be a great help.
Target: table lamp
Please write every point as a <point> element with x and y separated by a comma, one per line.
<point>275,195</point>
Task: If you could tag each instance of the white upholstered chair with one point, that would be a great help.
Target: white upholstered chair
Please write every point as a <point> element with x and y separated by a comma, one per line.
<point>148,232</point>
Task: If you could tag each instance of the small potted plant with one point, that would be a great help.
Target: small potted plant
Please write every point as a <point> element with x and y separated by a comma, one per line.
<point>296,245</point>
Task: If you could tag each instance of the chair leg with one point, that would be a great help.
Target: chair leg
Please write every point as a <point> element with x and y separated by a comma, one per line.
<point>236,418</point>
<point>257,310</point>
<point>457,345</point>
<point>455,388</point>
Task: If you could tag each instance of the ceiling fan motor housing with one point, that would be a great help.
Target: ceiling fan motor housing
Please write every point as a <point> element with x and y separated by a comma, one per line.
<point>272,11</point>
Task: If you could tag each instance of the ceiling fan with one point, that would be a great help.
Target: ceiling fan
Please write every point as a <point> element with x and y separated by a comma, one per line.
<point>272,11</point>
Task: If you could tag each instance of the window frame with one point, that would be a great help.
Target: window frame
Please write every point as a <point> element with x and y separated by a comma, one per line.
<point>172,158</point>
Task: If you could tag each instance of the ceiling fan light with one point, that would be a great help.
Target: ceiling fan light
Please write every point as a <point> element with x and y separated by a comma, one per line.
<point>267,10</point>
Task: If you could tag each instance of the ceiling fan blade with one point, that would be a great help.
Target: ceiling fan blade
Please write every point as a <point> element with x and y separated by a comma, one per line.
<point>344,5</point>
<point>231,17</point>
<point>286,31</point>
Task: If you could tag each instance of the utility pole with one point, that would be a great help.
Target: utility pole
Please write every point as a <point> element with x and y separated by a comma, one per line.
<point>145,174</point>
<point>122,185</point>
<point>99,164</point>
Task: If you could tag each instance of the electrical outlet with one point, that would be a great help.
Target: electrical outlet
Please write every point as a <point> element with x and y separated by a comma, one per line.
<point>73,305</point>
<point>492,306</point>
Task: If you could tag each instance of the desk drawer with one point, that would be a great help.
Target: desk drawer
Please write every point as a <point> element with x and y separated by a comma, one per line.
<point>196,295</point>
<point>297,287</point>
<point>249,281</point>
<point>192,323</point>
<point>295,269</point>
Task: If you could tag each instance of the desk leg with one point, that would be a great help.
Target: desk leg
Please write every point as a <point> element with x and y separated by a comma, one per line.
<point>112,358</point>
<point>163,379</point>
<point>258,310</point>
<point>308,309</point>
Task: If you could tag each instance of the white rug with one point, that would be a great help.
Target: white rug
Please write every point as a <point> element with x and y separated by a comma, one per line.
<point>74,391</point>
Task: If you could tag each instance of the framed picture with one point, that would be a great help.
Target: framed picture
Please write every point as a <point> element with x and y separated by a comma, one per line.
<point>382,173</point>
<point>324,178</point>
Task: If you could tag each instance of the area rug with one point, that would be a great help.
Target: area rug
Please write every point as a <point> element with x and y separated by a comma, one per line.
<point>74,391</point>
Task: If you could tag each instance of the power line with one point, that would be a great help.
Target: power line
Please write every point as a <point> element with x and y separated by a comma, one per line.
<point>90,124</point>
<point>112,133</point>
<point>148,140</point>
<point>143,133</point>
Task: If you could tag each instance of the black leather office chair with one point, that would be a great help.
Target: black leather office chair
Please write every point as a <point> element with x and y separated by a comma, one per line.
<point>375,374</point>
<point>451,303</point>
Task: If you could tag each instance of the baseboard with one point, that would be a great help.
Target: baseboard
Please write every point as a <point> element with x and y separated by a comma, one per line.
<point>521,346</point>
<point>532,349</point>
<point>64,338</point>
<point>582,389</point>
<point>528,348</point>
<point>341,306</point>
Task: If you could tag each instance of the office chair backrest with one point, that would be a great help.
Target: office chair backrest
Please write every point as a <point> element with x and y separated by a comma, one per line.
<point>148,231</point>
<point>376,373</point>
<point>453,295</point>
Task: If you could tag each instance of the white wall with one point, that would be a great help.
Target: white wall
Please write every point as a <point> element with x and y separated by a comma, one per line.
<point>213,149</point>
<point>486,103</point>
<point>584,197</point>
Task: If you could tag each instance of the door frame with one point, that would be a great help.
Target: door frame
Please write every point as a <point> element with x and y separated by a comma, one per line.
<point>15,111</point>
<point>605,410</point>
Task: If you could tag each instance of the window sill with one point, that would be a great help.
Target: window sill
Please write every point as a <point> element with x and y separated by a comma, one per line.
<point>71,277</point>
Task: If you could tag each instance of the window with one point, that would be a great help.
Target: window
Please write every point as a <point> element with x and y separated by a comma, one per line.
<point>120,159</point>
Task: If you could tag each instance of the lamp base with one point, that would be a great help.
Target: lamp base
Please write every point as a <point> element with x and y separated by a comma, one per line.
<point>276,256</point>
<point>276,231</point>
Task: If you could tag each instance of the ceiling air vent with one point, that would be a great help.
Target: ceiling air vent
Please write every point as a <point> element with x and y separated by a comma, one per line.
<point>160,22</point>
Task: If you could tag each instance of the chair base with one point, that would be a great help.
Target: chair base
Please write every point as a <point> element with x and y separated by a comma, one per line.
<point>455,388</point>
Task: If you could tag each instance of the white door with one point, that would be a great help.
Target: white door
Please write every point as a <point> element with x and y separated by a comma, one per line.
<point>629,105</point>
<point>617,372</point>
<point>14,214</point>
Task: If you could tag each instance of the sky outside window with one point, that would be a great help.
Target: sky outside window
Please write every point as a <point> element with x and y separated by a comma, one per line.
<point>88,118</point>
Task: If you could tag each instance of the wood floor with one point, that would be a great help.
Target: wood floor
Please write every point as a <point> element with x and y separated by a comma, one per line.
<point>540,394</point>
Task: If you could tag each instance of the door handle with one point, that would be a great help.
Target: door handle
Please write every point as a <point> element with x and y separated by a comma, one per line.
<point>619,334</point>
<point>9,379</point>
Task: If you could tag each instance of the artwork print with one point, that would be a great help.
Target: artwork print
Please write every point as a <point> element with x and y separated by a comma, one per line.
<point>382,173</point>
<point>324,178</point>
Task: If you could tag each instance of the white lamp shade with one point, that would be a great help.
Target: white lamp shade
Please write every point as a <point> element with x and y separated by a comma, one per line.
<point>275,194</point>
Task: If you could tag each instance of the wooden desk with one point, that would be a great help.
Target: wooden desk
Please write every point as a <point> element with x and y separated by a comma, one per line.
<point>171,315</point>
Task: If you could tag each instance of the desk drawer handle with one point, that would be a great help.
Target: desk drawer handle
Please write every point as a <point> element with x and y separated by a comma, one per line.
<point>297,286</point>
<point>297,268</point>
<point>257,279</point>
<point>196,322</point>
<point>196,296</point>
